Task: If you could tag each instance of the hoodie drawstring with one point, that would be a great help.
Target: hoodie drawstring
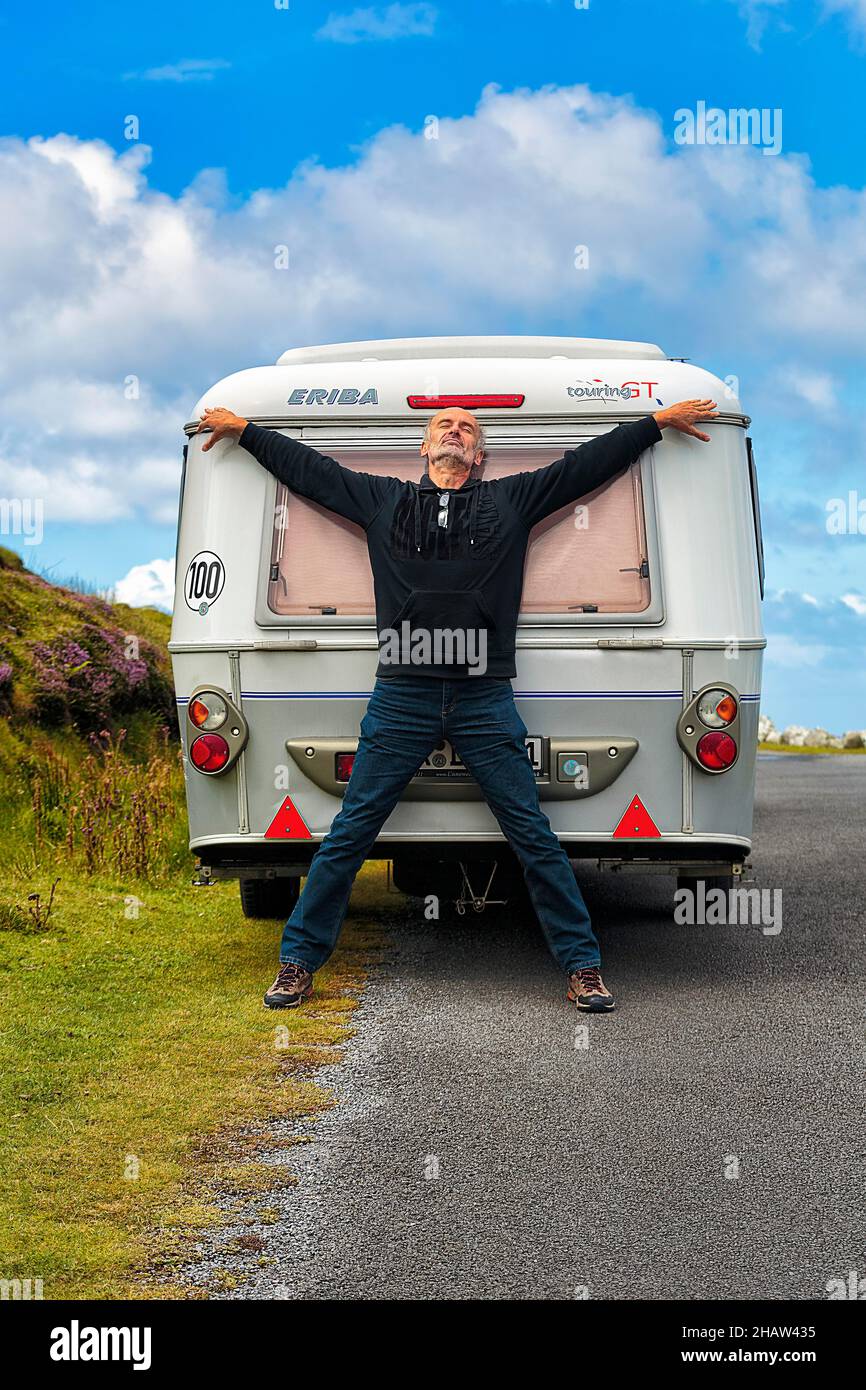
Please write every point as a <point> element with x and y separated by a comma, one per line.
<point>473,508</point>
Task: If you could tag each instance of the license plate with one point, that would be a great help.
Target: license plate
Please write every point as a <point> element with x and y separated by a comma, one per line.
<point>445,762</point>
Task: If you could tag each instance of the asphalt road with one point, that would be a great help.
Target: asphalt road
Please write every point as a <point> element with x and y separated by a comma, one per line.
<point>707,1143</point>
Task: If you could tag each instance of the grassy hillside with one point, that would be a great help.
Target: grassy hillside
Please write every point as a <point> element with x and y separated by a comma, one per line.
<point>89,756</point>
<point>131,1023</point>
<point>69,658</point>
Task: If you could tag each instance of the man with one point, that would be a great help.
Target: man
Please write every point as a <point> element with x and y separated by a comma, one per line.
<point>447,555</point>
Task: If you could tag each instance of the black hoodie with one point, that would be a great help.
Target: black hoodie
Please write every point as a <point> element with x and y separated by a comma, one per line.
<point>448,591</point>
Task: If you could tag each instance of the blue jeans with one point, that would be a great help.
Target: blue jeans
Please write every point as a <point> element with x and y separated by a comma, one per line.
<point>406,717</point>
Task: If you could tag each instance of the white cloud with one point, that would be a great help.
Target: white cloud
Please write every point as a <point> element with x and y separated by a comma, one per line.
<point>816,388</point>
<point>825,635</point>
<point>854,10</point>
<point>102,279</point>
<point>383,22</point>
<point>795,596</point>
<point>80,490</point>
<point>107,181</point>
<point>783,650</point>
<point>110,411</point>
<point>758,15</point>
<point>147,586</point>
<point>792,597</point>
<point>187,70</point>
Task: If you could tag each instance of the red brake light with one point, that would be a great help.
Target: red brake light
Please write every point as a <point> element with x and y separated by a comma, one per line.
<point>716,751</point>
<point>209,752</point>
<point>465,402</point>
<point>345,763</point>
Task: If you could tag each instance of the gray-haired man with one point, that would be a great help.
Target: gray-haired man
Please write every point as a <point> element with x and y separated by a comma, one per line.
<point>447,555</point>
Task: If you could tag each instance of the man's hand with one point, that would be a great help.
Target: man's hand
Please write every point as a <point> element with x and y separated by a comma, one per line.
<point>223,424</point>
<point>684,416</point>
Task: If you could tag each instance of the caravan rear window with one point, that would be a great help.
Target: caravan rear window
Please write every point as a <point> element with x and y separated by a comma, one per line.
<point>319,563</point>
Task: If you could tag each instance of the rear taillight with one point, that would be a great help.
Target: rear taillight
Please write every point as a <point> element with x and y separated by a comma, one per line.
<point>717,708</point>
<point>716,751</point>
<point>207,710</point>
<point>209,752</point>
<point>345,762</point>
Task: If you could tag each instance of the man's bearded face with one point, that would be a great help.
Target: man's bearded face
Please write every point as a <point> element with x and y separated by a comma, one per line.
<point>453,440</point>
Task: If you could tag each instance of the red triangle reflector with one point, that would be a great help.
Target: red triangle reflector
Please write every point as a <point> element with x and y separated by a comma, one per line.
<point>287,824</point>
<point>636,823</point>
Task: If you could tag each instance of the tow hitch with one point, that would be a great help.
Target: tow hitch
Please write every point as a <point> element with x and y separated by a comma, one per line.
<point>467,896</point>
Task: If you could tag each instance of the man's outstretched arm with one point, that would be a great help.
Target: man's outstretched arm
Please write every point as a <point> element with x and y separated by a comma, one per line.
<point>356,496</point>
<point>537,494</point>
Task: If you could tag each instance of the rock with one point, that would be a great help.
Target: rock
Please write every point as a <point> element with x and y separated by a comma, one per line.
<point>795,735</point>
<point>798,736</point>
<point>820,738</point>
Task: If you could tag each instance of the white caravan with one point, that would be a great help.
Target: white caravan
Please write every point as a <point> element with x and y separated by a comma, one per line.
<point>639,643</point>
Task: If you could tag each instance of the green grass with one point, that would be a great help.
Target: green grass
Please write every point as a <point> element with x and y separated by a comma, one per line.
<point>132,1048</point>
<point>134,1044</point>
<point>807,748</point>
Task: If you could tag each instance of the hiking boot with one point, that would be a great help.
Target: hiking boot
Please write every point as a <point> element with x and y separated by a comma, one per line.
<point>587,989</point>
<point>292,986</point>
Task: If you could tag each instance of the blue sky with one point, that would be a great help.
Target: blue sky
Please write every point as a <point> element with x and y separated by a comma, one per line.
<point>150,259</point>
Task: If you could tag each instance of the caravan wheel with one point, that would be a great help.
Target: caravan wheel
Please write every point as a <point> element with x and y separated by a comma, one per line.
<point>269,897</point>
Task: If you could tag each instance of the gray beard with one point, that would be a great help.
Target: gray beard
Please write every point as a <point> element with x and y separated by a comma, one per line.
<point>452,462</point>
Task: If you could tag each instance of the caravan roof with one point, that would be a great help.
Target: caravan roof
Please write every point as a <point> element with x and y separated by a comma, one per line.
<point>510,378</point>
<point>420,349</point>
